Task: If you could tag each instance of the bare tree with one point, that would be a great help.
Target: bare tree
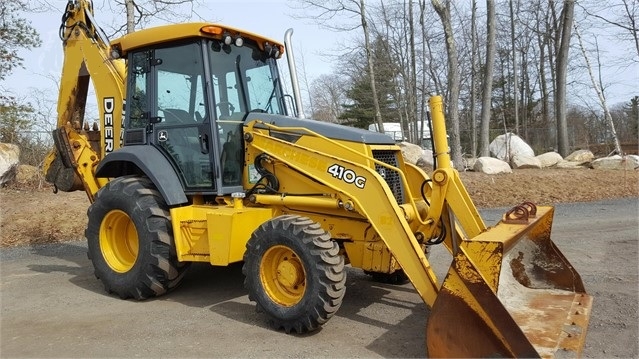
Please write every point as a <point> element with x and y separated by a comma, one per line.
<point>623,14</point>
<point>561,74</point>
<point>443,10</point>
<point>371,67</point>
<point>325,12</point>
<point>328,94</point>
<point>514,58</point>
<point>488,79</point>
<point>473,78</point>
<point>139,13</point>
<point>600,94</point>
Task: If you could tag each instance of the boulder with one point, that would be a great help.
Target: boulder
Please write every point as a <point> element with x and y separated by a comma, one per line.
<point>508,146</point>
<point>569,165</point>
<point>27,174</point>
<point>9,161</point>
<point>521,162</point>
<point>616,162</point>
<point>549,159</point>
<point>469,163</point>
<point>491,166</point>
<point>426,159</point>
<point>580,156</point>
<point>411,152</point>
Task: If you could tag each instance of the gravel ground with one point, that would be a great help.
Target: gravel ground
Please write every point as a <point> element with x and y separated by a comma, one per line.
<point>52,305</point>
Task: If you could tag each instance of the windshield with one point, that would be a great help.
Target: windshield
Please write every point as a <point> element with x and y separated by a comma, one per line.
<point>244,79</point>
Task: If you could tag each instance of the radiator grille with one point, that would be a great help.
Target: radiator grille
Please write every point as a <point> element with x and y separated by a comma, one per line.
<point>392,177</point>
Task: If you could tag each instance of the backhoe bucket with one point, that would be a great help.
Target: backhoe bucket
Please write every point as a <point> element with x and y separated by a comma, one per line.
<point>510,292</point>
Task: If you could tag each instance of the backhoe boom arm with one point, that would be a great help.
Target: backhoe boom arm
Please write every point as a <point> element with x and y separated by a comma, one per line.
<point>79,144</point>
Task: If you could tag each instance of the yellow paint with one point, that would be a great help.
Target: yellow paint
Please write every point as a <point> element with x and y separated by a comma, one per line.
<point>119,241</point>
<point>215,233</point>
<point>283,276</point>
<point>173,32</point>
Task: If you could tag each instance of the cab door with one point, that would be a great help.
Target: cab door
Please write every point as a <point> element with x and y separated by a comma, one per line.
<point>178,124</point>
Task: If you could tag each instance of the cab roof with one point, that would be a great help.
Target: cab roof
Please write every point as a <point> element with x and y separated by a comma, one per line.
<point>167,33</point>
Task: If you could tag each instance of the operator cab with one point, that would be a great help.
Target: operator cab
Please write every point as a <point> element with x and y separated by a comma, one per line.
<point>189,98</point>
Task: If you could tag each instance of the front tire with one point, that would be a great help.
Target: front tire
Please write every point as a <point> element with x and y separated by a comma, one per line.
<point>130,240</point>
<point>294,273</point>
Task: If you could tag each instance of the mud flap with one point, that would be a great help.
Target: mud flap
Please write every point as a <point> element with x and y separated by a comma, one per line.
<point>510,292</point>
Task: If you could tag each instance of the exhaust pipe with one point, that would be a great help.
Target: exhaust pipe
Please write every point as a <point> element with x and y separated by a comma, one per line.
<point>297,95</point>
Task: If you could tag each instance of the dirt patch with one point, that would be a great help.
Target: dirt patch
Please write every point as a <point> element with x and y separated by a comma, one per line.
<point>29,215</point>
<point>549,186</point>
<point>36,216</point>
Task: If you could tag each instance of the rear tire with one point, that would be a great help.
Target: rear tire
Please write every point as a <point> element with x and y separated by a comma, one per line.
<point>294,273</point>
<point>130,240</point>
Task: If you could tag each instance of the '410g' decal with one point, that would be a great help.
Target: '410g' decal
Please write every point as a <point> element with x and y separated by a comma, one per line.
<point>348,176</point>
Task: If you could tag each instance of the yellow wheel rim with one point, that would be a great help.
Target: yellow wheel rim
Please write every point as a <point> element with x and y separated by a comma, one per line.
<point>283,276</point>
<point>119,241</point>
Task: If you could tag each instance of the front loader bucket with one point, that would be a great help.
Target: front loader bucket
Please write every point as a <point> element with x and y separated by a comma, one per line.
<point>510,292</point>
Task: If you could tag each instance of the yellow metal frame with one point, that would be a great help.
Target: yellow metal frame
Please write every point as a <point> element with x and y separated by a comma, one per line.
<point>375,231</point>
<point>175,32</point>
<point>87,57</point>
<point>372,203</point>
<point>215,233</point>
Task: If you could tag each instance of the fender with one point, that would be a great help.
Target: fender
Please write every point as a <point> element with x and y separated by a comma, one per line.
<point>148,160</point>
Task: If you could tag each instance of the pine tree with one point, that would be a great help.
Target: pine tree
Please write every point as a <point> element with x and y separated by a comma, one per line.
<point>360,112</point>
<point>16,33</point>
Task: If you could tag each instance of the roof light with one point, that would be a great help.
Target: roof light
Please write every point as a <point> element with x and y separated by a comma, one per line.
<point>213,30</point>
<point>239,41</point>
<point>227,39</point>
<point>115,53</point>
<point>273,51</point>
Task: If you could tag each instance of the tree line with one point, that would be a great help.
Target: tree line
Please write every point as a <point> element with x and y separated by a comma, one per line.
<point>27,120</point>
<point>502,66</point>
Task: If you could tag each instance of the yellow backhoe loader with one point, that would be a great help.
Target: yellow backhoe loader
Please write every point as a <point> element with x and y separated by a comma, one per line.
<point>200,156</point>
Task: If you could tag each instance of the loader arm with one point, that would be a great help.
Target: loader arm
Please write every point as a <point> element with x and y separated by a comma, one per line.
<point>80,145</point>
<point>509,291</point>
<point>519,296</point>
<point>373,200</point>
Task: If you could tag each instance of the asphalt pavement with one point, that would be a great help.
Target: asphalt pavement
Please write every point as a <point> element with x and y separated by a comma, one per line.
<point>53,306</point>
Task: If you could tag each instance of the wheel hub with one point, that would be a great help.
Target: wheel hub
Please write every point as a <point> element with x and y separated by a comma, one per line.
<point>119,241</point>
<point>289,273</point>
<point>282,275</point>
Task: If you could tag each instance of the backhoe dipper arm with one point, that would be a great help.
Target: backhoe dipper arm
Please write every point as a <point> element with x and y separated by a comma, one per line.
<point>79,146</point>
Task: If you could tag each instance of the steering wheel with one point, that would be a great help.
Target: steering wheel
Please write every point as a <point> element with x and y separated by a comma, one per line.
<point>229,106</point>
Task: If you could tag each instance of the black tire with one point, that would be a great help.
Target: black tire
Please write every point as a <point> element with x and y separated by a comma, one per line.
<point>130,240</point>
<point>306,271</point>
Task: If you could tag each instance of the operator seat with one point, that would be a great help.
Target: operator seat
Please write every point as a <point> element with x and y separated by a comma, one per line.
<point>183,144</point>
<point>176,116</point>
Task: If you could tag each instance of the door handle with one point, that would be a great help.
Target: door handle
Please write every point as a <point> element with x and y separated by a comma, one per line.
<point>204,143</point>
